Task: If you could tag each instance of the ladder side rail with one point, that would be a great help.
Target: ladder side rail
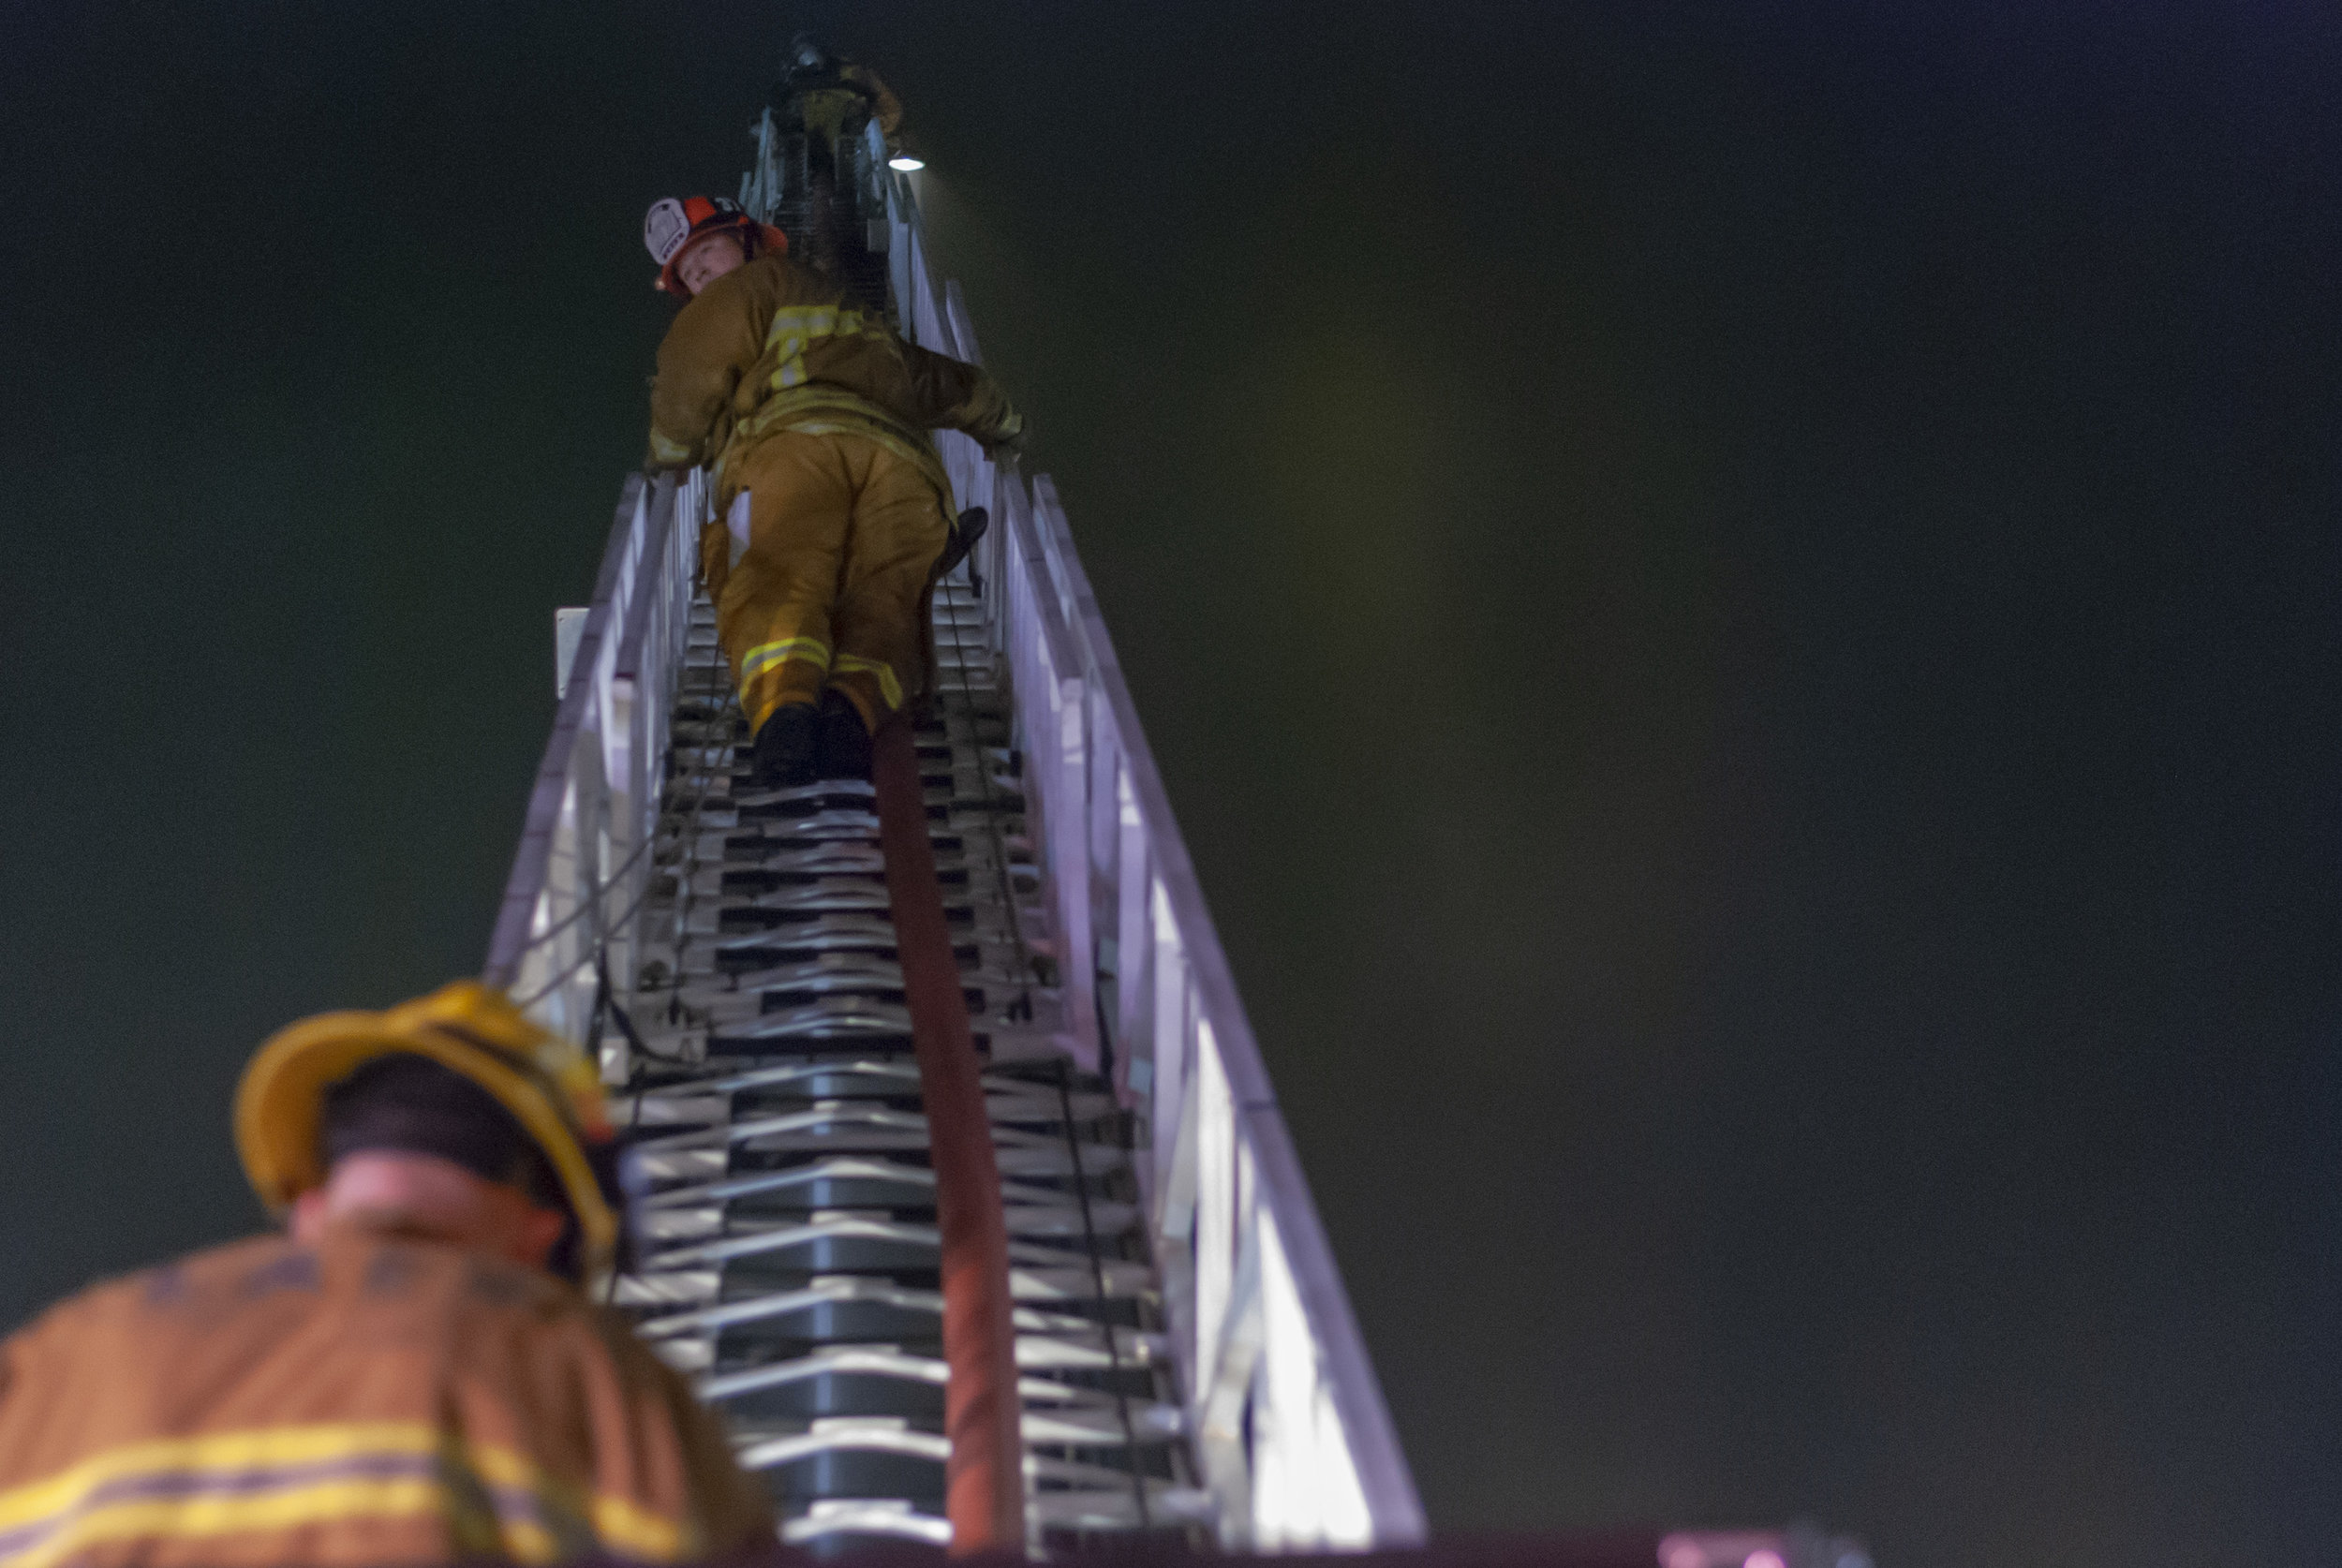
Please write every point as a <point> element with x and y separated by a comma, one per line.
<point>1262,1324</point>
<point>938,322</point>
<point>555,982</point>
<point>1054,538</point>
<point>1257,1170</point>
<point>923,314</point>
<point>641,701</point>
<point>962,330</point>
<point>1191,1228</point>
<point>576,891</point>
<point>1104,846</point>
<point>557,929</point>
<point>1133,1023</point>
<point>1048,698</point>
<point>525,914</point>
<point>991,552</point>
<point>760,187</point>
<point>902,260</point>
<point>924,319</point>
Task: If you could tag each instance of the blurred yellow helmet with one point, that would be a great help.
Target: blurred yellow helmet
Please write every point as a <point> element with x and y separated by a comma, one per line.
<point>546,1082</point>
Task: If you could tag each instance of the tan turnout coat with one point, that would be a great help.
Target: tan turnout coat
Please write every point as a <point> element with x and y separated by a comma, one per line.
<point>772,345</point>
<point>367,1400</point>
<point>819,414</point>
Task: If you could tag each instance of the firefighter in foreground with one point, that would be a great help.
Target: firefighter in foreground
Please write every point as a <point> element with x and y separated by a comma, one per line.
<point>818,414</point>
<point>402,1379</point>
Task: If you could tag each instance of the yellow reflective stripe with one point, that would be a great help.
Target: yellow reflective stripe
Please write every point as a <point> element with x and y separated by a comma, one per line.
<point>795,327</point>
<point>824,408</point>
<point>276,1445</point>
<point>807,321</point>
<point>889,687</point>
<point>668,451</point>
<point>224,1479</point>
<point>765,654</point>
<point>326,1503</point>
<point>639,1532</point>
<point>621,1523</point>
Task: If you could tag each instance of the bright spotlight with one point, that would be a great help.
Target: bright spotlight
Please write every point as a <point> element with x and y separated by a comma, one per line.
<point>905,163</point>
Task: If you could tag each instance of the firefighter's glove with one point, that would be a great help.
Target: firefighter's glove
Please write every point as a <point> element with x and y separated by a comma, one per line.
<point>1006,443</point>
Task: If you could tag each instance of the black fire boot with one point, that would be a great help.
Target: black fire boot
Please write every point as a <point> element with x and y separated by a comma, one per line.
<point>784,749</point>
<point>843,748</point>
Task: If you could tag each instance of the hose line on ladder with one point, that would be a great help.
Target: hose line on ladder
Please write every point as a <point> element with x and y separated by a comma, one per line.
<point>984,1477</point>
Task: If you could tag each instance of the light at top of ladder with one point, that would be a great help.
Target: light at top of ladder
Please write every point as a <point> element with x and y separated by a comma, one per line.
<point>906,163</point>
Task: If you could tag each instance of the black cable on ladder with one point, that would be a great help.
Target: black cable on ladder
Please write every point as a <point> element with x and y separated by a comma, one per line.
<point>1098,1284</point>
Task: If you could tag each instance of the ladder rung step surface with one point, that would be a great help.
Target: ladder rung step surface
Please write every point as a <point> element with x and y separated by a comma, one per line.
<point>786,1241</point>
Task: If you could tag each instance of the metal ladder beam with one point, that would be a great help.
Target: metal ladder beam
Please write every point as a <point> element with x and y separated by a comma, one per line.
<point>787,1233</point>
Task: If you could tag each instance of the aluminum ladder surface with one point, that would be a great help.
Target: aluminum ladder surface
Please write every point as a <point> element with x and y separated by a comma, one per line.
<point>786,1223</point>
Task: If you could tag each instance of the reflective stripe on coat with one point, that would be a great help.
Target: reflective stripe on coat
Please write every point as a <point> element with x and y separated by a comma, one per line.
<point>367,1400</point>
<point>773,347</point>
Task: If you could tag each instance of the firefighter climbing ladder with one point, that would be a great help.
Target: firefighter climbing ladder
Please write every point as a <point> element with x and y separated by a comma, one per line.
<point>1186,1360</point>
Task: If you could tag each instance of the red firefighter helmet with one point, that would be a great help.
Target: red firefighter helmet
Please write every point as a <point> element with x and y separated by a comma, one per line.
<point>671,227</point>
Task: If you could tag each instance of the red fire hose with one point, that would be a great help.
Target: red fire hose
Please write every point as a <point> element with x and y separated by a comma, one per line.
<point>983,1480</point>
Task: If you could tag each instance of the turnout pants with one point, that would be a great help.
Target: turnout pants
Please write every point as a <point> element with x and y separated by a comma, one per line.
<point>843,536</point>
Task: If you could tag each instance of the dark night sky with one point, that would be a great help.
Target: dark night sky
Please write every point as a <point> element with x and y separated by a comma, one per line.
<point>1738,601</point>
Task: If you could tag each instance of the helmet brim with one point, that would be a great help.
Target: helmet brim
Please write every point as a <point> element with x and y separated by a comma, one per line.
<point>280,1101</point>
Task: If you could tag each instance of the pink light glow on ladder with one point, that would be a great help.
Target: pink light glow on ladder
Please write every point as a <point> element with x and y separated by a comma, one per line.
<point>1722,1548</point>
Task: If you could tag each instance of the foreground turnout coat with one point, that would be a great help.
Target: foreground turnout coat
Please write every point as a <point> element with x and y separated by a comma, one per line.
<point>369,1400</point>
<point>819,414</point>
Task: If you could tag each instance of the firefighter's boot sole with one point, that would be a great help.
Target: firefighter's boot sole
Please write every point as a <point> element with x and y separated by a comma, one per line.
<point>782,758</point>
<point>842,747</point>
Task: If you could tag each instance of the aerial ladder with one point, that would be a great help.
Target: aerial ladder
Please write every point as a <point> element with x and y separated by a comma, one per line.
<point>1183,1361</point>
<point>959,1187</point>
